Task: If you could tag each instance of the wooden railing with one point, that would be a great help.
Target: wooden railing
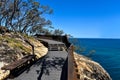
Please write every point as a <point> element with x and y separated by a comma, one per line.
<point>71,64</point>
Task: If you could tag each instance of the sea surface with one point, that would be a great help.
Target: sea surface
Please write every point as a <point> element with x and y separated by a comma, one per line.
<point>104,51</point>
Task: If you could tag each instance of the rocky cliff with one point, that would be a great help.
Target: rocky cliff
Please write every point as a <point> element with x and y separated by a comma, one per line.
<point>89,70</point>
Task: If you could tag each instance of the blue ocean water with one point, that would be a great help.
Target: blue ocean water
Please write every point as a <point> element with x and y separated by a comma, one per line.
<point>106,52</point>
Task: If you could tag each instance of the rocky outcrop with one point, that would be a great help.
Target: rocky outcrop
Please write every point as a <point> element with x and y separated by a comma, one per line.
<point>13,47</point>
<point>89,70</point>
<point>3,73</point>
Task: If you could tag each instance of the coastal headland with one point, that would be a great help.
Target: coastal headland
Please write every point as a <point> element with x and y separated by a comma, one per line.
<point>52,62</point>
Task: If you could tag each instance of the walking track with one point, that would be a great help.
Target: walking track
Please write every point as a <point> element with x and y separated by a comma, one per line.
<point>49,67</point>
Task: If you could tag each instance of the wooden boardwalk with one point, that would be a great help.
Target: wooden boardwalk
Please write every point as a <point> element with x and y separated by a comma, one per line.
<point>49,67</point>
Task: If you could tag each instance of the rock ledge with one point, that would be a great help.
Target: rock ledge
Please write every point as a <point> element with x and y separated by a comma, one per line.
<point>89,70</point>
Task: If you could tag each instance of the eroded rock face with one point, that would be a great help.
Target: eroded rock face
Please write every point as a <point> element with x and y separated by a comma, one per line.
<point>89,70</point>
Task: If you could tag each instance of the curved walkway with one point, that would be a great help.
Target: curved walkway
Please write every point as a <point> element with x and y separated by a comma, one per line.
<point>49,67</point>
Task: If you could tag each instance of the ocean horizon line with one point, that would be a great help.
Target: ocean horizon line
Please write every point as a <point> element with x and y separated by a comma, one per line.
<point>93,38</point>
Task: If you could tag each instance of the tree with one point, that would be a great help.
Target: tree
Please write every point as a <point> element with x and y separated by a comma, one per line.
<point>58,32</point>
<point>25,16</point>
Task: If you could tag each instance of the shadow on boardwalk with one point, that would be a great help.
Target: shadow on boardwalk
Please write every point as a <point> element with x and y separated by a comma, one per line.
<point>56,63</point>
<point>50,67</point>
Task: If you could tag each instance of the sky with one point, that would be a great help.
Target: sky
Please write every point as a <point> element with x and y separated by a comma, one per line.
<point>86,18</point>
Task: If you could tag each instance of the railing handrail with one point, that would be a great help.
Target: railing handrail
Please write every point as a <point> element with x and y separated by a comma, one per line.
<point>71,63</point>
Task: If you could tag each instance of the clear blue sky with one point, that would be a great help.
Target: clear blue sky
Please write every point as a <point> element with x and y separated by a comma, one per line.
<point>86,18</point>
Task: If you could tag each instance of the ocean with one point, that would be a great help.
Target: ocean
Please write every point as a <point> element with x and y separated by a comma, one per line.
<point>104,51</point>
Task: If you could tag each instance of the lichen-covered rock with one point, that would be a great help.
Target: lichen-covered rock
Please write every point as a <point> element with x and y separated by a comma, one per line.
<point>89,70</point>
<point>3,73</point>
